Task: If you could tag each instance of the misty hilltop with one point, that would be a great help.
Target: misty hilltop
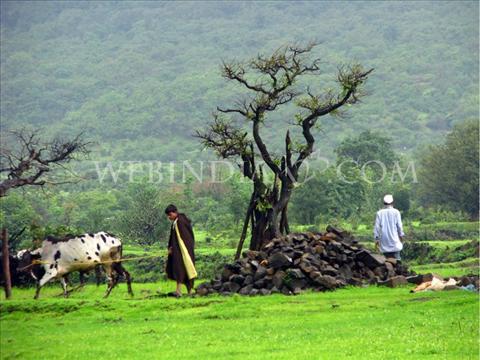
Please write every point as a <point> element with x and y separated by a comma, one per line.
<point>140,77</point>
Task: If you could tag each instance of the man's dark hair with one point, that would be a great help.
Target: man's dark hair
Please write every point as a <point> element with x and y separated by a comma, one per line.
<point>171,208</point>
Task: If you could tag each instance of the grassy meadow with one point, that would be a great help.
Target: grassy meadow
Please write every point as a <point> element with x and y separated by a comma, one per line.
<point>351,323</point>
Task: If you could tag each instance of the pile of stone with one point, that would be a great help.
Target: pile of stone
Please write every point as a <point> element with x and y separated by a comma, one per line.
<point>300,261</point>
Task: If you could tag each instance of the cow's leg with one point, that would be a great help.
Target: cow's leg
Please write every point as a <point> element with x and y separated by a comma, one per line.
<point>37,290</point>
<point>121,270</point>
<point>82,278</point>
<point>98,274</point>
<point>111,279</point>
<point>64,286</point>
<point>129,281</point>
<point>46,278</point>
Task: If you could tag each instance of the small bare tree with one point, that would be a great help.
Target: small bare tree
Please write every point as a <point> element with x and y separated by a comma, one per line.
<point>272,82</point>
<point>26,160</point>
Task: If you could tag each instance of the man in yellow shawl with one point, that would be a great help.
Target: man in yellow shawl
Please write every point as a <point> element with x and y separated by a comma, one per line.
<point>181,256</point>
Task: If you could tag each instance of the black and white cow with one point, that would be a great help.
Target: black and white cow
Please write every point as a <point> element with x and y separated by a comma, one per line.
<point>60,256</point>
<point>26,256</point>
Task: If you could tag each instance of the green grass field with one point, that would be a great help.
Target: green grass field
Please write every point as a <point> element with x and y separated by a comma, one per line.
<point>464,267</point>
<point>135,250</point>
<point>442,244</point>
<point>352,323</point>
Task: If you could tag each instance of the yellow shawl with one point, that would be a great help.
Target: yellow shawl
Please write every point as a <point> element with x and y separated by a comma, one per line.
<point>187,260</point>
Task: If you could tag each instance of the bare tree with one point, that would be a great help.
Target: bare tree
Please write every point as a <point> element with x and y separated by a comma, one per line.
<point>271,82</point>
<point>26,160</point>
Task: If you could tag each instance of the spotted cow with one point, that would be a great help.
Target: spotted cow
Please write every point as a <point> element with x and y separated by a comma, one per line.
<point>59,257</point>
<point>22,256</point>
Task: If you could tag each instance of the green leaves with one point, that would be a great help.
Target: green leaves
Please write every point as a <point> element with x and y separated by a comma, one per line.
<point>449,172</point>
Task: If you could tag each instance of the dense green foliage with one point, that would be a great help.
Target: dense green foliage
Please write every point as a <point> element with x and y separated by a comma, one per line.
<point>354,323</point>
<point>138,77</point>
<point>367,167</point>
<point>367,147</point>
<point>450,172</point>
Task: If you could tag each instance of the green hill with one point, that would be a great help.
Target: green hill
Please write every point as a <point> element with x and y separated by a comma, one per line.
<point>138,77</point>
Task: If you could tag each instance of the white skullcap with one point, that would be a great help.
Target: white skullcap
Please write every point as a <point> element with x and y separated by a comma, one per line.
<point>388,199</point>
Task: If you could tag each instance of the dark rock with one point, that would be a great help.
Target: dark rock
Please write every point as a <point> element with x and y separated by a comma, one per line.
<point>278,279</point>
<point>230,287</point>
<point>319,249</point>
<point>334,230</point>
<point>369,259</point>
<point>345,271</point>
<point>299,283</point>
<point>297,291</point>
<point>216,284</point>
<point>295,273</point>
<point>262,256</point>
<point>248,280</point>
<point>270,271</point>
<point>234,268</point>
<point>226,273</point>
<point>259,283</point>
<point>390,269</point>
<point>330,270</point>
<point>297,253</point>
<point>248,269</point>
<point>388,266</point>
<point>279,260</point>
<point>379,271</point>
<point>341,258</point>
<point>465,280</point>
<point>286,291</point>
<point>264,292</point>
<point>234,287</point>
<point>394,281</point>
<point>246,290</point>
<point>391,260</point>
<point>327,281</point>
<point>202,290</point>
<point>260,273</point>
<point>253,292</point>
<point>354,281</point>
<point>239,279</point>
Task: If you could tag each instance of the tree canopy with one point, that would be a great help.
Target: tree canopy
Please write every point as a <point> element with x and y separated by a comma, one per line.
<point>449,174</point>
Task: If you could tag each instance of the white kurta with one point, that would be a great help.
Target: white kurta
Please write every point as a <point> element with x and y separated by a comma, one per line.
<point>388,229</point>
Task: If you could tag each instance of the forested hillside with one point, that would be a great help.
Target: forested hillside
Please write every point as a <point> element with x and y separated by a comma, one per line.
<point>139,77</point>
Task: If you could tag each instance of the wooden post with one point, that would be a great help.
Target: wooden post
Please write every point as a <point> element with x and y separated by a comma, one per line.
<point>6,264</point>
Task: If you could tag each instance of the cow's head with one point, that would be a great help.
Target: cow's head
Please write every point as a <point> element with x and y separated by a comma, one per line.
<point>26,258</point>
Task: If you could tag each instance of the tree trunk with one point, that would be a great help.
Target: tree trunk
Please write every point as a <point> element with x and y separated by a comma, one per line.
<point>6,264</point>
<point>266,228</point>
<point>248,216</point>
<point>272,222</point>
<point>284,228</point>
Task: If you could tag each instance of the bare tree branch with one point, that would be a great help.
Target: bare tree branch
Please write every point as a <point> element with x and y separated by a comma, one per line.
<point>25,160</point>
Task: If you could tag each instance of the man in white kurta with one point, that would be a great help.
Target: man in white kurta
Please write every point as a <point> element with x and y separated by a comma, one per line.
<point>388,230</point>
